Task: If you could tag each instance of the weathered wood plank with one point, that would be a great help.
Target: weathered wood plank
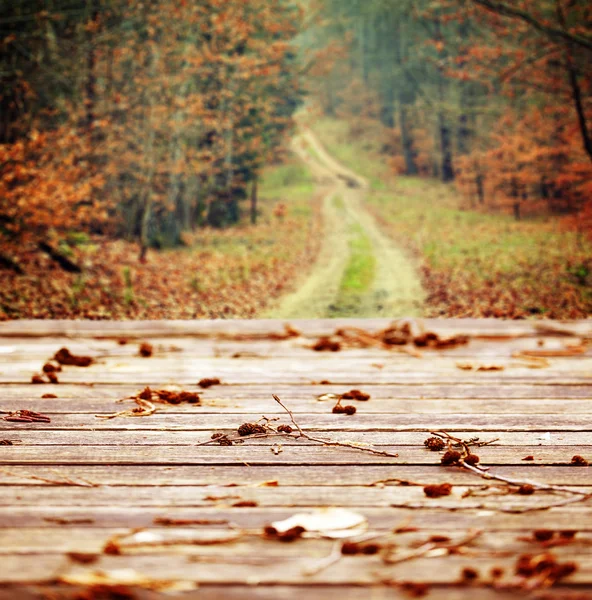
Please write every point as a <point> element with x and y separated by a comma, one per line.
<point>295,476</point>
<point>293,592</point>
<point>18,349</point>
<point>200,496</point>
<point>261,455</point>
<point>250,518</point>
<point>81,393</point>
<point>94,329</point>
<point>61,539</point>
<point>275,592</point>
<point>202,421</point>
<point>259,406</point>
<point>124,438</point>
<point>542,412</point>
<point>358,570</point>
<point>334,366</point>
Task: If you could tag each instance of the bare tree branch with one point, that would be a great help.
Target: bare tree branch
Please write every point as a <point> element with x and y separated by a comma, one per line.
<point>501,8</point>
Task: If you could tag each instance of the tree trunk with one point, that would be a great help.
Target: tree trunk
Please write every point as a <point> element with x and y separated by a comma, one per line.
<point>407,142</point>
<point>466,96</point>
<point>576,90</point>
<point>516,196</point>
<point>447,170</point>
<point>463,121</point>
<point>479,180</point>
<point>91,79</point>
<point>254,201</point>
<point>446,167</point>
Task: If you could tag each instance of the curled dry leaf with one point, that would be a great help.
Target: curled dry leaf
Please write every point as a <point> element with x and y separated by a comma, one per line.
<point>328,522</point>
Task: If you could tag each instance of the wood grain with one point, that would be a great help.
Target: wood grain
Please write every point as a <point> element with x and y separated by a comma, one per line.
<point>133,470</point>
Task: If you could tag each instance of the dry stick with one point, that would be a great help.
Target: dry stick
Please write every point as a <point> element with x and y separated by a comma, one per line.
<point>580,496</point>
<point>431,546</point>
<point>486,475</point>
<point>329,442</point>
<point>146,409</point>
<point>63,481</point>
<point>474,442</point>
<point>255,436</point>
<point>540,486</point>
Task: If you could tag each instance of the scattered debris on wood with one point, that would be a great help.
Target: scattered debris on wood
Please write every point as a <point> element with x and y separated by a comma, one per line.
<point>355,395</point>
<point>50,367</point>
<point>348,409</point>
<point>437,491</point>
<point>170,522</point>
<point>250,429</point>
<point>325,343</point>
<point>404,335</point>
<point>147,398</point>
<point>467,366</point>
<point>69,521</point>
<point>168,396</point>
<point>326,522</point>
<point>435,444</point>
<point>329,442</point>
<point>542,570</point>
<point>64,357</point>
<point>144,408</point>
<point>145,350</point>
<point>82,558</point>
<point>526,488</point>
<point>26,416</point>
<point>207,382</point>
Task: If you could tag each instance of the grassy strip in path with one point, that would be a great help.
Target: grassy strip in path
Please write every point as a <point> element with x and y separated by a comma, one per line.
<point>359,272</point>
<point>473,263</point>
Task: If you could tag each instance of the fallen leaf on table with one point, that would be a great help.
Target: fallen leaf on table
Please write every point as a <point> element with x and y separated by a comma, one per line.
<point>329,522</point>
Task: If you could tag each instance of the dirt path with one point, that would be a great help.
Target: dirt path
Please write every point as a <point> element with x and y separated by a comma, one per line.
<point>395,289</point>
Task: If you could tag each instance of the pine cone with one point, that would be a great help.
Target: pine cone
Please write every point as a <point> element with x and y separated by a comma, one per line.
<point>434,444</point>
<point>250,429</point>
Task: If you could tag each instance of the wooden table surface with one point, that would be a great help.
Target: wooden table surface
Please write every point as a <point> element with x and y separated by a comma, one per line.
<point>86,485</point>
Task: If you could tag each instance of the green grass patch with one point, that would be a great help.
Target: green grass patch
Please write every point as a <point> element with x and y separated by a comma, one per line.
<point>358,275</point>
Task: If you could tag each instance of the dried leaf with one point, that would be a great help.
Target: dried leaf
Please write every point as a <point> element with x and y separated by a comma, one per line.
<point>329,522</point>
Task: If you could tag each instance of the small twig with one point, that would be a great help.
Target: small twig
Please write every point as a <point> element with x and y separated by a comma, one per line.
<point>464,443</point>
<point>565,502</point>
<point>255,436</point>
<point>329,442</point>
<point>518,482</point>
<point>402,482</point>
<point>145,409</point>
<point>438,549</point>
<point>63,481</point>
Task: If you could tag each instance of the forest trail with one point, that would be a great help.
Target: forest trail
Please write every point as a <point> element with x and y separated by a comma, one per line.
<point>386,285</point>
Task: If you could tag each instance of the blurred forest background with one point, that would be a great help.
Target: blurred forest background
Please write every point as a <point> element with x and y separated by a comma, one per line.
<point>147,168</point>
